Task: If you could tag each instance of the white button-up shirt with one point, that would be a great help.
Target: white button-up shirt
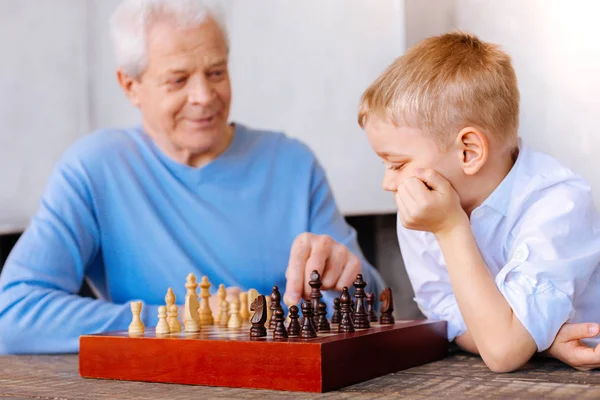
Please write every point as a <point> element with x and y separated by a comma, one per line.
<point>539,234</point>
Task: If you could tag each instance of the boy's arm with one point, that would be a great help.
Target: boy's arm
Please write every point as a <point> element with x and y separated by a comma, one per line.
<point>39,309</point>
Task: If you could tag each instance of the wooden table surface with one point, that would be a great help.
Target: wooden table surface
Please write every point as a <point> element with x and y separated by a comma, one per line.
<point>457,376</point>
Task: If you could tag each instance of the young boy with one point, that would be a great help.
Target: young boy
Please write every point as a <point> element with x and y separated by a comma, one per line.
<point>500,241</point>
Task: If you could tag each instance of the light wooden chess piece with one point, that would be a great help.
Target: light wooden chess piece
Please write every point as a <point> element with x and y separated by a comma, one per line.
<point>252,295</point>
<point>221,295</point>
<point>206,317</point>
<point>163,326</point>
<point>174,324</point>
<point>223,315</point>
<point>170,300</point>
<point>191,318</point>
<point>269,311</point>
<point>244,313</point>
<point>137,326</point>
<point>235,320</point>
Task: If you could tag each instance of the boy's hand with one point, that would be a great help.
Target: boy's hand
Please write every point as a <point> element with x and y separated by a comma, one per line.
<point>336,264</point>
<point>427,202</point>
<point>568,348</point>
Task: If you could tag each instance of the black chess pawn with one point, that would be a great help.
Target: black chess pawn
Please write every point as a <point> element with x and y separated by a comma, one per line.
<point>259,318</point>
<point>361,318</point>
<point>336,317</point>
<point>315,292</point>
<point>279,332</point>
<point>322,323</point>
<point>275,305</point>
<point>387,307</point>
<point>294,326</point>
<point>308,329</point>
<point>371,307</point>
<point>346,324</point>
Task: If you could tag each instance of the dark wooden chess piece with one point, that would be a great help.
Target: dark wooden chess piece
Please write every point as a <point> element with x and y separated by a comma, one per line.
<point>336,317</point>
<point>315,293</point>
<point>308,329</point>
<point>370,307</point>
<point>322,323</point>
<point>294,326</point>
<point>259,318</point>
<point>361,318</point>
<point>387,307</point>
<point>275,305</point>
<point>279,332</point>
<point>346,324</point>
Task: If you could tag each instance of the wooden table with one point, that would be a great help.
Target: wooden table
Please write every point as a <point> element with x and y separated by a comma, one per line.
<point>458,376</point>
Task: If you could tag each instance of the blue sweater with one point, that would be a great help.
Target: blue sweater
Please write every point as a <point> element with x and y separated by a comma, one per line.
<point>121,214</point>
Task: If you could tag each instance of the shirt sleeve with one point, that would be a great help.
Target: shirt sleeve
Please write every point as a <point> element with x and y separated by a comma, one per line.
<point>39,309</point>
<point>556,249</point>
<point>429,278</point>
<point>325,219</point>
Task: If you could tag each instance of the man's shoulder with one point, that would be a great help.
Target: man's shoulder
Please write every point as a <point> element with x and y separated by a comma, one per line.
<point>275,143</point>
<point>103,144</point>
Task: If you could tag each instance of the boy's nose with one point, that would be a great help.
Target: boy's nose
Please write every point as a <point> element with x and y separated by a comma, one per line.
<point>389,183</point>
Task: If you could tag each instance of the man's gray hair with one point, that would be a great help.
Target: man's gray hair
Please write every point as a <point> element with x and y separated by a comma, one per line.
<point>130,22</point>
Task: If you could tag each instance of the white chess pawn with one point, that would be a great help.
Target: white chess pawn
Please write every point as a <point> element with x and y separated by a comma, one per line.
<point>223,315</point>
<point>244,310</point>
<point>221,295</point>
<point>163,326</point>
<point>174,324</point>
<point>235,320</point>
<point>137,326</point>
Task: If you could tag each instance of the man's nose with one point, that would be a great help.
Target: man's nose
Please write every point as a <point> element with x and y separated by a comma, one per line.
<point>201,91</point>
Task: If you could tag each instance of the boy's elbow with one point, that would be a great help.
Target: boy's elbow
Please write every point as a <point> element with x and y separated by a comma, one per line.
<point>507,357</point>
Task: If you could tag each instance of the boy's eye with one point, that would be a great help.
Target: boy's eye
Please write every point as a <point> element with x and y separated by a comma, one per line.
<point>394,167</point>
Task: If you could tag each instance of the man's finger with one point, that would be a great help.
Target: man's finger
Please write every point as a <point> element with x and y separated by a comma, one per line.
<point>320,251</point>
<point>433,179</point>
<point>295,272</point>
<point>334,266</point>
<point>352,268</point>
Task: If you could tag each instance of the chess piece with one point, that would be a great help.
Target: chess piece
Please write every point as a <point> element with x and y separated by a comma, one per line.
<point>174,324</point>
<point>206,317</point>
<point>308,329</point>
<point>162,328</point>
<point>387,307</point>
<point>336,317</point>
<point>191,318</point>
<point>315,292</point>
<point>269,311</point>
<point>371,307</point>
<point>275,305</point>
<point>252,295</point>
<point>322,323</point>
<point>170,300</point>
<point>235,320</point>
<point>223,314</point>
<point>259,306</point>
<point>279,332</point>
<point>221,295</point>
<point>136,327</point>
<point>346,324</point>
<point>244,313</point>
<point>361,318</point>
<point>294,326</point>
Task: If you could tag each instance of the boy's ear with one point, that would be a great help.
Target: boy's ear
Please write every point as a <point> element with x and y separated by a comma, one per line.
<point>130,86</point>
<point>474,149</point>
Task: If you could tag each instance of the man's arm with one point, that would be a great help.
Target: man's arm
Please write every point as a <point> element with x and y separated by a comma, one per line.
<point>39,310</point>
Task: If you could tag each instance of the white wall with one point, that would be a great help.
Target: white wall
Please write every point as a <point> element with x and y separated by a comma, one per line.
<point>556,53</point>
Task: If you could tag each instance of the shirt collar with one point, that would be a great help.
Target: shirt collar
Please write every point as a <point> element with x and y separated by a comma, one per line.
<point>500,198</point>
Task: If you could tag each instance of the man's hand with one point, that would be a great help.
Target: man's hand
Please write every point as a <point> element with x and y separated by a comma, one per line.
<point>427,202</point>
<point>568,348</point>
<point>334,262</point>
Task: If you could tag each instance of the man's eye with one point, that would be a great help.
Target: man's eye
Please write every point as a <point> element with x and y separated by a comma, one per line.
<point>177,81</point>
<point>217,74</point>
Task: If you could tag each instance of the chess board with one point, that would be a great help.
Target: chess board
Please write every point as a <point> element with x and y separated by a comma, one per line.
<point>229,357</point>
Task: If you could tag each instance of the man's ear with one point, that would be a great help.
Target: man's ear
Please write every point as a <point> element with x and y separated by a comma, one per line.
<point>130,85</point>
<point>474,149</point>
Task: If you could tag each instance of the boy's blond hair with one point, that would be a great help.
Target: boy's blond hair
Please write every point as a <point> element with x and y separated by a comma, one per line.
<point>446,83</point>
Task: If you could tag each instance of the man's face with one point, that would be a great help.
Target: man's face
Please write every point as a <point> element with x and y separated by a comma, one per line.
<point>185,94</point>
<point>403,149</point>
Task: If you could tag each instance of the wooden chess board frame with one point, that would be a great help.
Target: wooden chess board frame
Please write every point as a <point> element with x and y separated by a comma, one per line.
<point>221,357</point>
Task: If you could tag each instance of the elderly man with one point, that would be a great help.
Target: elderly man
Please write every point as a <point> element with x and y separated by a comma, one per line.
<point>135,210</point>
